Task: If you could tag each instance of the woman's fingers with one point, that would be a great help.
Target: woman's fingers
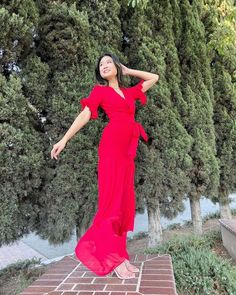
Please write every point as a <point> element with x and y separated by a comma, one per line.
<point>54,152</point>
<point>57,148</point>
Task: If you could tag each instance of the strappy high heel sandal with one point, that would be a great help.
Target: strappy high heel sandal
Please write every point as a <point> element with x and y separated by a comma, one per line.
<point>123,278</point>
<point>135,270</point>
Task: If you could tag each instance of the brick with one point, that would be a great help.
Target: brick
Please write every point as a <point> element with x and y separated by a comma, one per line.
<point>124,287</point>
<point>70,277</point>
<point>46,283</point>
<point>129,281</point>
<point>157,277</point>
<point>66,287</point>
<point>90,274</point>
<point>156,283</point>
<point>76,274</point>
<point>157,271</point>
<point>35,289</point>
<point>82,267</point>
<point>79,280</point>
<point>161,291</point>
<point>159,266</point>
<point>90,287</point>
<point>111,280</point>
<point>49,277</point>
<point>157,263</point>
<point>57,271</point>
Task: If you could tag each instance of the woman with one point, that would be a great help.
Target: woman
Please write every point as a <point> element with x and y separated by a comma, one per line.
<point>103,247</point>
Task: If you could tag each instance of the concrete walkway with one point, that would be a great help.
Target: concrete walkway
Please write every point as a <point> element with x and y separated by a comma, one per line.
<point>17,251</point>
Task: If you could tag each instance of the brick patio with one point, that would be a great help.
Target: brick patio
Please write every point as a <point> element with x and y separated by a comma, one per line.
<point>69,277</point>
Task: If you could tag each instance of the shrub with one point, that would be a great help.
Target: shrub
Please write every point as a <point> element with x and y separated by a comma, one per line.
<point>197,269</point>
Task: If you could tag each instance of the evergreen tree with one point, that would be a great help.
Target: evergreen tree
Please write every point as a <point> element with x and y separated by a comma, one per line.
<point>18,22</point>
<point>161,164</point>
<point>69,197</point>
<point>197,91</point>
<point>220,27</point>
<point>21,162</point>
<point>21,148</point>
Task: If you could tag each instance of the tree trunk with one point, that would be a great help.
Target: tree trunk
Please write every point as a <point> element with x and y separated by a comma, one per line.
<point>81,229</point>
<point>196,214</point>
<point>154,226</point>
<point>225,211</point>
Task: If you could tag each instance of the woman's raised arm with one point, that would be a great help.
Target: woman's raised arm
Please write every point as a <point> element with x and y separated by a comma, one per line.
<point>79,122</point>
<point>149,78</point>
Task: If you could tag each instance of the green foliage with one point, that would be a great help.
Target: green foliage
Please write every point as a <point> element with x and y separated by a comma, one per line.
<point>69,194</point>
<point>220,24</point>
<point>19,275</point>
<point>18,20</point>
<point>13,268</point>
<point>174,226</point>
<point>197,269</point>
<point>21,162</point>
<point>35,82</point>
<point>141,3</point>
<point>64,35</point>
<point>162,163</point>
<point>139,235</point>
<point>48,54</point>
<point>216,215</point>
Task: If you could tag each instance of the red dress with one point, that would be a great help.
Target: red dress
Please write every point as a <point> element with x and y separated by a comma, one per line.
<point>103,247</point>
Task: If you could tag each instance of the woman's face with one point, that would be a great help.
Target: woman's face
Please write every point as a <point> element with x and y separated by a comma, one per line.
<point>107,68</point>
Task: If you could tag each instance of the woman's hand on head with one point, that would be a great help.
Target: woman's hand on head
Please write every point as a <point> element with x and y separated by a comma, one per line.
<point>57,148</point>
<point>125,70</point>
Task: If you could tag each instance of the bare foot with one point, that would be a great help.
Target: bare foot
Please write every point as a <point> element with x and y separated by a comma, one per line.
<point>131,267</point>
<point>123,271</point>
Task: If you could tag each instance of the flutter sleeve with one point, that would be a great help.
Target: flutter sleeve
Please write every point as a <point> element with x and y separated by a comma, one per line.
<point>92,101</point>
<point>137,92</point>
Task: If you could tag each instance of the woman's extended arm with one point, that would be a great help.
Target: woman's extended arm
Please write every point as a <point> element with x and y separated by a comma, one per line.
<point>150,78</point>
<point>78,123</point>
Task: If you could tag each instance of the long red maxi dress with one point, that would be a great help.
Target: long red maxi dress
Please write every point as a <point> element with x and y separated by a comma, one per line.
<point>103,246</point>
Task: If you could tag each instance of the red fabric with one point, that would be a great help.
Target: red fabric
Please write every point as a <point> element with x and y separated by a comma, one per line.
<point>103,247</point>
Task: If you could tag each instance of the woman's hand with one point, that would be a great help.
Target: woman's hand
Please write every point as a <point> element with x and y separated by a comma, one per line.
<point>125,70</point>
<point>57,148</point>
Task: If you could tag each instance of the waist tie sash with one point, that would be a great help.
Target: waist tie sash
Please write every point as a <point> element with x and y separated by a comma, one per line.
<point>137,131</point>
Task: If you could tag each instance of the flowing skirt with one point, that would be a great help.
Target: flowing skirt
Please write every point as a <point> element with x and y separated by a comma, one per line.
<point>103,246</point>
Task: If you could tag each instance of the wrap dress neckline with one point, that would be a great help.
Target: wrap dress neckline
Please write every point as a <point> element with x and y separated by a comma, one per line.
<point>121,88</point>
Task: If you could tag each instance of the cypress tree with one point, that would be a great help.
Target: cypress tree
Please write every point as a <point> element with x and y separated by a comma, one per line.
<point>220,27</point>
<point>18,22</point>
<point>69,197</point>
<point>197,91</point>
<point>21,163</point>
<point>21,148</point>
<point>161,163</point>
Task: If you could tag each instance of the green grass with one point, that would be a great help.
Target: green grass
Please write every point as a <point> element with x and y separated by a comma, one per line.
<point>197,269</point>
<point>17,276</point>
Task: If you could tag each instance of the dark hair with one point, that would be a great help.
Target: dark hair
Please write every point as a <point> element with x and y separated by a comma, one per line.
<point>120,76</point>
